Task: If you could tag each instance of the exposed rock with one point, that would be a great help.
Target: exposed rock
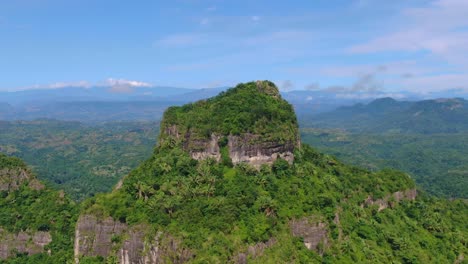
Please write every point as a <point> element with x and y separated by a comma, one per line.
<point>94,237</point>
<point>391,199</point>
<point>23,242</point>
<point>254,251</point>
<point>251,149</point>
<point>11,179</point>
<point>203,149</point>
<point>313,232</point>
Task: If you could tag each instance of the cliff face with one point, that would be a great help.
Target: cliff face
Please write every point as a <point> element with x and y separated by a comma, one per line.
<point>251,121</point>
<point>107,237</point>
<point>22,242</point>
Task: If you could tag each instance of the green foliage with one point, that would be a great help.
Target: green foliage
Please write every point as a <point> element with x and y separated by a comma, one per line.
<point>31,210</point>
<point>204,203</point>
<point>81,159</point>
<point>437,162</point>
<point>255,108</point>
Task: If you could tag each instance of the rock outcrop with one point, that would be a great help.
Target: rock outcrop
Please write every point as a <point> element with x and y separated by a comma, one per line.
<point>313,232</point>
<point>392,199</point>
<point>106,237</point>
<point>23,242</point>
<point>251,149</point>
<point>12,178</point>
<point>254,251</point>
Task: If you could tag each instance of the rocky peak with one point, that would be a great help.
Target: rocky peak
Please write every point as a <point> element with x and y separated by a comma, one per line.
<point>249,123</point>
<point>14,173</point>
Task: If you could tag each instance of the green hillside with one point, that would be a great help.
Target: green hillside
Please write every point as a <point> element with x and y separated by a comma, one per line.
<point>33,218</point>
<point>314,210</point>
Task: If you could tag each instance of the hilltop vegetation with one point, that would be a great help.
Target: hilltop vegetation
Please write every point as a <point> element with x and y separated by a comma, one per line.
<point>255,108</point>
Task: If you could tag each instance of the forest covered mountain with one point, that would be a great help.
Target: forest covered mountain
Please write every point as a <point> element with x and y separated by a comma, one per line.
<point>389,115</point>
<point>231,183</point>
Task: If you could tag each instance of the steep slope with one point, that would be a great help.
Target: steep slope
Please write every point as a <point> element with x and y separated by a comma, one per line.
<point>389,115</point>
<point>251,123</point>
<point>193,201</point>
<point>36,224</point>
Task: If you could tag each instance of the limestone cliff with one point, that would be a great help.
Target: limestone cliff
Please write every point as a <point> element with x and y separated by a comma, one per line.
<point>107,237</point>
<point>251,121</point>
<point>22,242</point>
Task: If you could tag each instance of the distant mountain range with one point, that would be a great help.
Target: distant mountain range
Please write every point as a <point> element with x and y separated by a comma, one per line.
<point>389,115</point>
<point>124,102</point>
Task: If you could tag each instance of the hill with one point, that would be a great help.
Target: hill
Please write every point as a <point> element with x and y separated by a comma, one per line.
<point>36,223</point>
<point>389,115</point>
<point>229,182</point>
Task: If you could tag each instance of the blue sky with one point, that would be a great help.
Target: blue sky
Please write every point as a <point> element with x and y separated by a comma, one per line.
<point>337,45</point>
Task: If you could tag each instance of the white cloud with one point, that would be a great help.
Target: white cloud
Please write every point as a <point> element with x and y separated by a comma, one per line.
<point>439,28</point>
<point>124,86</point>
<point>58,85</point>
<point>115,82</point>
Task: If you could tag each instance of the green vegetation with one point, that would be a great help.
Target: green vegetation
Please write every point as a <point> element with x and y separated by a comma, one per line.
<point>428,139</point>
<point>255,107</point>
<point>438,162</point>
<point>218,210</point>
<point>27,209</point>
<point>81,159</point>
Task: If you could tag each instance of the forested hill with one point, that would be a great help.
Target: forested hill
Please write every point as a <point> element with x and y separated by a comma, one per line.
<point>389,115</point>
<point>34,220</point>
<point>223,194</point>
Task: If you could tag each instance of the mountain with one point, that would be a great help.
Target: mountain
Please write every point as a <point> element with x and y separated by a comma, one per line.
<point>124,102</point>
<point>229,182</point>
<point>36,223</point>
<point>96,93</point>
<point>387,115</point>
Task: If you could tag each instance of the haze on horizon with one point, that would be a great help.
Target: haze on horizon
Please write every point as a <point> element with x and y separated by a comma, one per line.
<point>338,46</point>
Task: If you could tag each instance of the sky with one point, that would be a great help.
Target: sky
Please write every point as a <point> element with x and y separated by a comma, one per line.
<point>342,46</point>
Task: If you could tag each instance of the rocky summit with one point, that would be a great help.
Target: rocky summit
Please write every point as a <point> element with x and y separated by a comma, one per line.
<point>250,123</point>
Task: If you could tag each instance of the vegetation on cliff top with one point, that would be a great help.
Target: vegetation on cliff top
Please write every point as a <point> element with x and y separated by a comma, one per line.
<point>255,107</point>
